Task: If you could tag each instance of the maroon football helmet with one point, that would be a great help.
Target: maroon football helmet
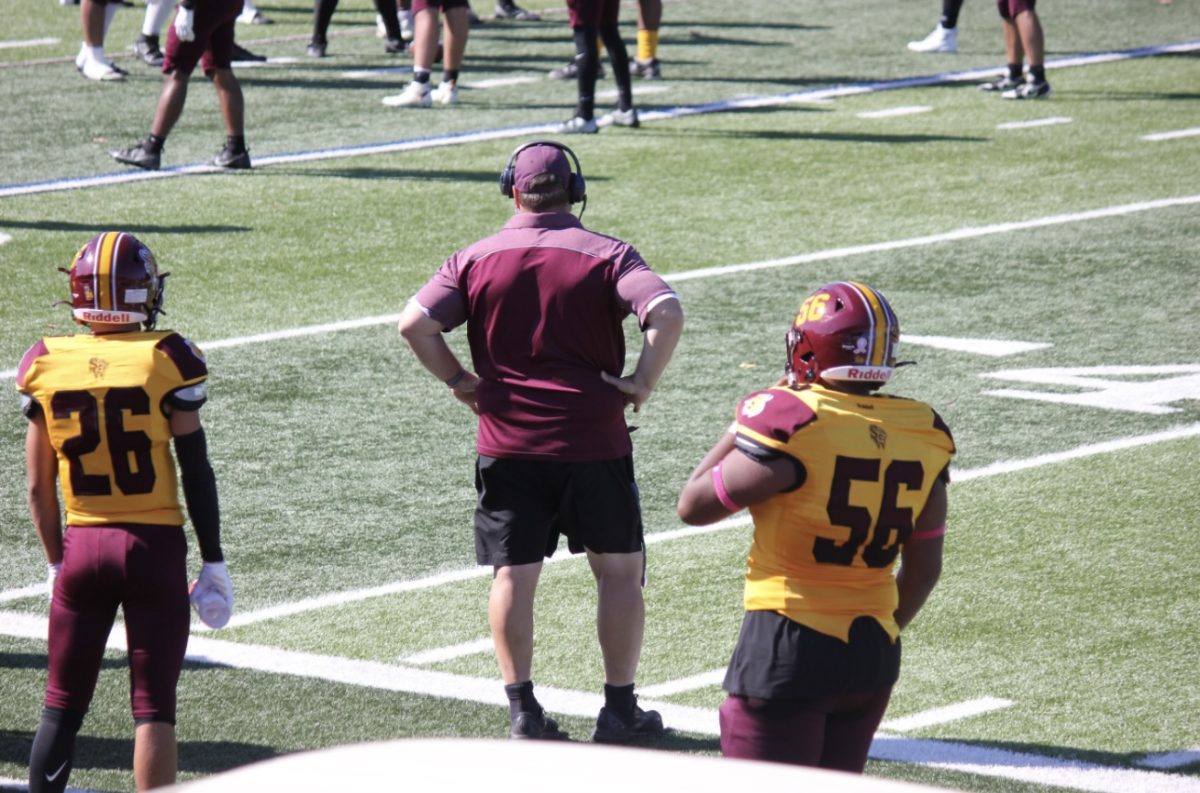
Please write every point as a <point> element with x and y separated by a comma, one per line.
<point>115,281</point>
<point>844,333</point>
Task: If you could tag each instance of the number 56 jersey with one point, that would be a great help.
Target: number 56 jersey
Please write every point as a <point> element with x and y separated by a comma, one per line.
<point>823,553</point>
<point>106,400</point>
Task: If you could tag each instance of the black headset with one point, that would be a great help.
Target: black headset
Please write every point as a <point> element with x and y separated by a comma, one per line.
<point>576,187</point>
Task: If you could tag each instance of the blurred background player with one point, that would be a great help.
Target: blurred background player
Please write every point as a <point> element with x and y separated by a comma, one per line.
<point>507,9</point>
<point>543,301</point>
<point>96,17</point>
<point>840,480</point>
<point>104,409</point>
<point>645,65</point>
<point>403,16</point>
<point>1023,40</point>
<point>593,21</point>
<point>202,33</point>
<point>146,46</point>
<point>944,37</point>
<point>456,29</point>
<point>386,15</point>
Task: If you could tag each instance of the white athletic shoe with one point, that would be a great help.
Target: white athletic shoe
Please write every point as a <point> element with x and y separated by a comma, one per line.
<point>578,126</point>
<point>940,40</point>
<point>445,94</point>
<point>406,24</point>
<point>620,118</point>
<point>414,95</point>
<point>380,30</point>
<point>102,71</point>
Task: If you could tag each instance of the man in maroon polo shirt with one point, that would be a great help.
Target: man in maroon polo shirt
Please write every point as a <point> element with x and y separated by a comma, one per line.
<point>543,301</point>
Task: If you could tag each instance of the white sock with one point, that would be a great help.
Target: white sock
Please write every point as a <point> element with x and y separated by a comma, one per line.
<point>96,54</point>
<point>157,14</point>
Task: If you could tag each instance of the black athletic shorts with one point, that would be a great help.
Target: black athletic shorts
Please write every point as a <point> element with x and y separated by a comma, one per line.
<point>525,505</point>
<point>777,658</point>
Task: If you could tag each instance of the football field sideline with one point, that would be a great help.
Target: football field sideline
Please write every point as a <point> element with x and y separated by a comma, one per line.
<point>681,111</point>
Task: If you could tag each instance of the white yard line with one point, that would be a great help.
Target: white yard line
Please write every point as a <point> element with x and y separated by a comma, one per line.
<point>891,112</point>
<point>951,236</point>
<point>1037,122</point>
<point>1179,133</point>
<point>439,654</point>
<point>936,716</point>
<point>10,45</point>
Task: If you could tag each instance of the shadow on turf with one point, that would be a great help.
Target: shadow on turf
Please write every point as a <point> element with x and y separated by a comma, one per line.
<point>201,757</point>
<point>837,137</point>
<point>1069,753</point>
<point>481,177</point>
<point>94,228</point>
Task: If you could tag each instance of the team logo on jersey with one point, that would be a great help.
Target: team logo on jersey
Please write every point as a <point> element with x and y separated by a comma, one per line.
<point>98,366</point>
<point>879,436</point>
<point>755,405</point>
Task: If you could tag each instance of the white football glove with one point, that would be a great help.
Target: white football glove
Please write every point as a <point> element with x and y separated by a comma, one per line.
<point>185,24</point>
<point>52,571</point>
<point>212,595</point>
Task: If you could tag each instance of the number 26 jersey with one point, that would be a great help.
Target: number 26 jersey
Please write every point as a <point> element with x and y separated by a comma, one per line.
<point>105,400</point>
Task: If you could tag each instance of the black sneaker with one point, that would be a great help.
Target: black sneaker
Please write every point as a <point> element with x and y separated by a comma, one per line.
<point>395,47</point>
<point>146,48</point>
<point>138,157</point>
<point>232,160</point>
<point>538,726</point>
<point>571,71</point>
<point>316,49</point>
<point>611,728</point>
<point>240,53</point>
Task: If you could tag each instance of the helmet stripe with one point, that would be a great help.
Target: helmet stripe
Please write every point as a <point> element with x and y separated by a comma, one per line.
<point>881,324</point>
<point>104,278</point>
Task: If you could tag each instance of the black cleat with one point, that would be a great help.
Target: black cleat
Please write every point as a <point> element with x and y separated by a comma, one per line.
<point>146,48</point>
<point>139,157</point>
<point>232,160</point>
<point>395,47</point>
<point>538,726</point>
<point>611,728</point>
<point>316,49</point>
<point>240,53</point>
<point>647,70</point>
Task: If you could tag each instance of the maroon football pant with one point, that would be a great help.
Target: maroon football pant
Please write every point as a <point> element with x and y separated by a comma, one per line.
<point>143,570</point>
<point>832,732</point>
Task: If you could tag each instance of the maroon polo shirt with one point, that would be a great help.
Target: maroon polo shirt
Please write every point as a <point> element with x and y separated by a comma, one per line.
<point>543,301</point>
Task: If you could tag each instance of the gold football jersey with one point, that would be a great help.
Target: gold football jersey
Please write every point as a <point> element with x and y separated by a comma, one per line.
<point>823,553</point>
<point>103,397</point>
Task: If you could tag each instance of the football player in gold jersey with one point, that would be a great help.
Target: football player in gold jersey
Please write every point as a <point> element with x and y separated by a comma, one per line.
<point>103,410</point>
<point>840,481</point>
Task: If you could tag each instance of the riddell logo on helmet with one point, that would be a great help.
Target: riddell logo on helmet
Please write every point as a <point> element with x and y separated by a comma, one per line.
<point>110,317</point>
<point>874,375</point>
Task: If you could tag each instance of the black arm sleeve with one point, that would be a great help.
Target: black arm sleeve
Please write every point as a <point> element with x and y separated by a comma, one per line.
<point>200,492</point>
